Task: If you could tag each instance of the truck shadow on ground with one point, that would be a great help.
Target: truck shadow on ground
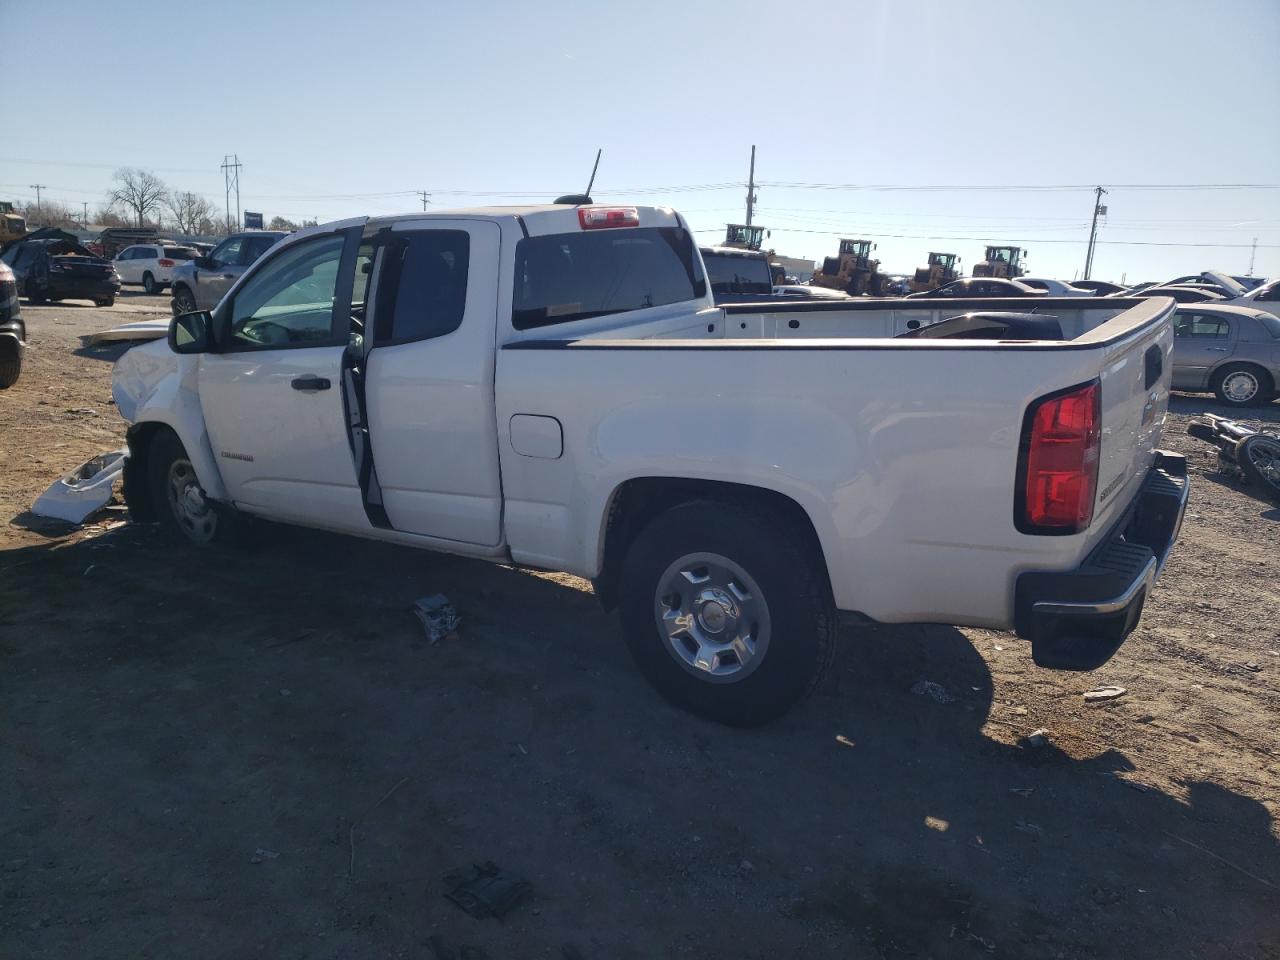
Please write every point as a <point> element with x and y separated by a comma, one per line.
<point>235,752</point>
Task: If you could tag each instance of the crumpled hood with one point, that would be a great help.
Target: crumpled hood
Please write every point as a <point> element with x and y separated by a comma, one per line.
<point>136,375</point>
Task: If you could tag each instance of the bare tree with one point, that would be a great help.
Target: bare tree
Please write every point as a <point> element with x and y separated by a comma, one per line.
<point>50,213</point>
<point>189,210</point>
<point>280,223</point>
<point>139,191</point>
<point>109,218</point>
<point>211,227</point>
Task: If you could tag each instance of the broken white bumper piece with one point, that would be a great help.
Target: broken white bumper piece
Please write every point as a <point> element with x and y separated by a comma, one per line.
<point>83,491</point>
<point>139,330</point>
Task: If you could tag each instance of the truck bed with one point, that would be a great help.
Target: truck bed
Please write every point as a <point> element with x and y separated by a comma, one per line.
<point>863,431</point>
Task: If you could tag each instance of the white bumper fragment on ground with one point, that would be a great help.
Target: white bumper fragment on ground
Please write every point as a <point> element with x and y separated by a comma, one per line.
<point>83,491</point>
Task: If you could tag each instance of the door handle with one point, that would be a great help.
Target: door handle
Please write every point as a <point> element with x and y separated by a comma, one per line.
<point>1219,349</point>
<point>228,276</point>
<point>310,383</point>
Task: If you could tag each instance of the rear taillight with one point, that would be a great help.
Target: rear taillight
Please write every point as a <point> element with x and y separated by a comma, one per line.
<point>1058,463</point>
<point>165,263</point>
<point>605,218</point>
<point>6,275</point>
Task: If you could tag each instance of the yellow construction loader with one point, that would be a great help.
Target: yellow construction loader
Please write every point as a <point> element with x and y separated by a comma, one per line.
<point>942,269</point>
<point>852,270</point>
<point>12,226</point>
<point>1004,262</point>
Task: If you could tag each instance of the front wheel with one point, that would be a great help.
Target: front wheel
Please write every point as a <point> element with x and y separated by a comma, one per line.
<point>10,369</point>
<point>149,284</point>
<point>726,610</point>
<point>179,501</point>
<point>1258,457</point>
<point>1242,385</point>
<point>183,301</point>
<point>105,301</point>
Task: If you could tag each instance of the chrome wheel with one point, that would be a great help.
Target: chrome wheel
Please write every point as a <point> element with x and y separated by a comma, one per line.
<point>193,512</point>
<point>1264,454</point>
<point>713,616</point>
<point>1240,386</point>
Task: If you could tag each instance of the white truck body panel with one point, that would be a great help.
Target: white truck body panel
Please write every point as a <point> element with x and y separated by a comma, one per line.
<point>513,443</point>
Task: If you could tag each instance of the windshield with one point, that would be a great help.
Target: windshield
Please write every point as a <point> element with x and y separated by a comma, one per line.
<point>729,274</point>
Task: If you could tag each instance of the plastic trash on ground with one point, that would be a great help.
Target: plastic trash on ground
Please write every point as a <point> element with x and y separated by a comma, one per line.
<point>485,890</point>
<point>438,617</point>
<point>83,491</point>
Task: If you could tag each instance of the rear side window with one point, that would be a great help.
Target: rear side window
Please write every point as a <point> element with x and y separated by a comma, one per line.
<point>573,276</point>
<point>422,289</point>
<point>179,253</point>
<point>1197,326</point>
<point>254,247</point>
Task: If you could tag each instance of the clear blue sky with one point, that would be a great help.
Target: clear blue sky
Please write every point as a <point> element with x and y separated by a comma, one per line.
<point>337,109</point>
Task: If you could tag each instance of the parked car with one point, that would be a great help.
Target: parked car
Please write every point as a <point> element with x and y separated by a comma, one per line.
<point>200,283</point>
<point>13,333</point>
<point>1099,288</point>
<point>1181,294</point>
<point>151,264</point>
<point>1265,296</point>
<point>554,386</point>
<point>51,264</point>
<point>1056,288</point>
<point>895,285</point>
<point>980,287</point>
<point>1233,351</point>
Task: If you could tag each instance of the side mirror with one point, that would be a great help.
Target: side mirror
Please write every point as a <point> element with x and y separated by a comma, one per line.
<point>206,263</point>
<point>192,333</point>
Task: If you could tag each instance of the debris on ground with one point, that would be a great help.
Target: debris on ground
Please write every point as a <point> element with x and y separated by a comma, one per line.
<point>1036,739</point>
<point>483,890</point>
<point>262,853</point>
<point>934,691</point>
<point>439,618</point>
<point>1103,694</point>
<point>139,330</point>
<point>1026,826</point>
<point>83,491</point>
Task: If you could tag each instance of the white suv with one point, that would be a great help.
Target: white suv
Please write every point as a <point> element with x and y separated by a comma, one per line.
<point>151,264</point>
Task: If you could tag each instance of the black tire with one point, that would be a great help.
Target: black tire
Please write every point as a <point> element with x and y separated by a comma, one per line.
<point>165,456</point>
<point>1258,458</point>
<point>1225,380</point>
<point>781,559</point>
<point>149,284</point>
<point>183,301</point>
<point>10,369</point>
<point>105,301</point>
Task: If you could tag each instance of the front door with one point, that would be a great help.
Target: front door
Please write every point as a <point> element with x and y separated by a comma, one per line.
<point>273,398</point>
<point>429,380</point>
<point>213,281</point>
<point>1200,342</point>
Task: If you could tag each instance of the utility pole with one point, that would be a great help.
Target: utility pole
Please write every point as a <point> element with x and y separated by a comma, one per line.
<point>1098,208</point>
<point>1253,253</point>
<point>231,181</point>
<point>751,186</point>
<point>424,195</point>
<point>37,187</point>
<point>85,218</point>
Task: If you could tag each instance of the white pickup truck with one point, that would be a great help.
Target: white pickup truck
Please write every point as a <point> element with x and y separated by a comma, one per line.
<point>553,386</point>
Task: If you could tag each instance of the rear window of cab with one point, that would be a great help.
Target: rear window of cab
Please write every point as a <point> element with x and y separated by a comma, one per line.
<point>575,276</point>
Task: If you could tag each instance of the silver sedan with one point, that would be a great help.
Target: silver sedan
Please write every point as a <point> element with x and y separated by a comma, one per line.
<point>1233,351</point>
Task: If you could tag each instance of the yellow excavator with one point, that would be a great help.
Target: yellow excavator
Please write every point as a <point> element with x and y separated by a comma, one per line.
<point>1004,262</point>
<point>852,270</point>
<point>942,269</point>
<point>12,225</point>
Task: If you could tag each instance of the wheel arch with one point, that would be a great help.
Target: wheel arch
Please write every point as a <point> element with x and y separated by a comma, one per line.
<point>634,503</point>
<point>1227,364</point>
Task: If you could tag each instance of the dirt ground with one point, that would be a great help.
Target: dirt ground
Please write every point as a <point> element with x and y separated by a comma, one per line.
<point>255,753</point>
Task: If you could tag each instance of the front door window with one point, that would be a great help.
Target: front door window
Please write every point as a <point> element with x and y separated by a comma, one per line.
<point>289,302</point>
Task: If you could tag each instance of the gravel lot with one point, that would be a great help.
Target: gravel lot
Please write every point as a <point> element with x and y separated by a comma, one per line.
<point>254,752</point>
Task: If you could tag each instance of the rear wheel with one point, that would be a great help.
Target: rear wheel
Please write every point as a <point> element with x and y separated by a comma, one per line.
<point>105,301</point>
<point>149,284</point>
<point>1242,385</point>
<point>183,301</point>
<point>1259,460</point>
<point>10,368</point>
<point>726,610</point>
<point>177,498</point>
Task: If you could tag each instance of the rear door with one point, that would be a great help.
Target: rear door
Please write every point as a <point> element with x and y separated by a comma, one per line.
<point>1202,340</point>
<point>272,399</point>
<point>429,379</point>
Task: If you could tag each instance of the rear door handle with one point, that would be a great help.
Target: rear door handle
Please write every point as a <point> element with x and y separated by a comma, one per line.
<point>310,383</point>
<point>1219,349</point>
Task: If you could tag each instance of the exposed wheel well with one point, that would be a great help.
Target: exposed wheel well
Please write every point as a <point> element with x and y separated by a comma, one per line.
<point>137,495</point>
<point>635,503</point>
